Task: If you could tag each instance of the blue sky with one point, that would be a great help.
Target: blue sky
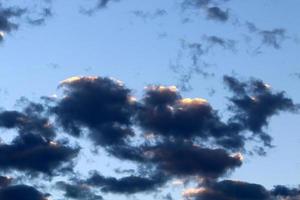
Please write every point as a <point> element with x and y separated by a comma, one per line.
<point>115,42</point>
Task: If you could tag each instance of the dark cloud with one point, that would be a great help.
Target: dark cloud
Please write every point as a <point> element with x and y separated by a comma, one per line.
<point>126,185</point>
<point>181,137</point>
<point>165,113</point>
<point>77,191</point>
<point>33,13</point>
<point>99,5</point>
<point>101,105</point>
<point>7,16</point>
<point>210,7</point>
<point>23,192</point>
<point>5,181</point>
<point>188,160</point>
<point>182,159</point>
<point>238,190</point>
<point>216,13</point>
<point>254,103</point>
<point>33,153</point>
<point>103,3</point>
<point>285,192</point>
<point>29,120</point>
<point>229,190</point>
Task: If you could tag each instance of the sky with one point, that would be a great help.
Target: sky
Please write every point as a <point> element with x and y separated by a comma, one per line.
<point>137,99</point>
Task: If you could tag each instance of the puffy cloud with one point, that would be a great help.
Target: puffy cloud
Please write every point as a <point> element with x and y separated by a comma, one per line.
<point>23,192</point>
<point>102,105</point>
<point>165,113</point>
<point>189,140</point>
<point>33,153</point>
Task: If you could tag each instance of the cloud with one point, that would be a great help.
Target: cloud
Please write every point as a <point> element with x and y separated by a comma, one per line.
<point>254,103</point>
<point>23,192</point>
<point>12,15</point>
<point>99,5</point>
<point>216,13</point>
<point>29,120</point>
<point>190,160</point>
<point>77,191</point>
<point>5,181</point>
<point>42,17</point>
<point>32,154</point>
<point>102,105</point>
<point>181,159</point>
<point>181,137</point>
<point>163,112</point>
<point>7,14</point>
<point>149,15</point>
<point>273,38</point>
<point>226,44</point>
<point>126,185</point>
<point>238,190</point>
<point>285,192</point>
<point>210,7</point>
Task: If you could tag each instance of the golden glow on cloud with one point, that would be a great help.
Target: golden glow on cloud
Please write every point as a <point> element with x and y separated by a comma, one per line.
<point>2,34</point>
<point>132,99</point>
<point>195,101</point>
<point>193,192</point>
<point>53,144</point>
<point>171,88</point>
<point>267,86</point>
<point>178,182</point>
<point>78,78</point>
<point>254,98</point>
<point>239,156</point>
<point>117,81</point>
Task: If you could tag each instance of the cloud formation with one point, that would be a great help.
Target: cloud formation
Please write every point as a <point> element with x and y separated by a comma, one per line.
<point>32,154</point>
<point>254,103</point>
<point>23,192</point>
<point>29,120</point>
<point>126,185</point>
<point>102,105</point>
<point>165,135</point>
<point>238,190</point>
<point>12,15</point>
